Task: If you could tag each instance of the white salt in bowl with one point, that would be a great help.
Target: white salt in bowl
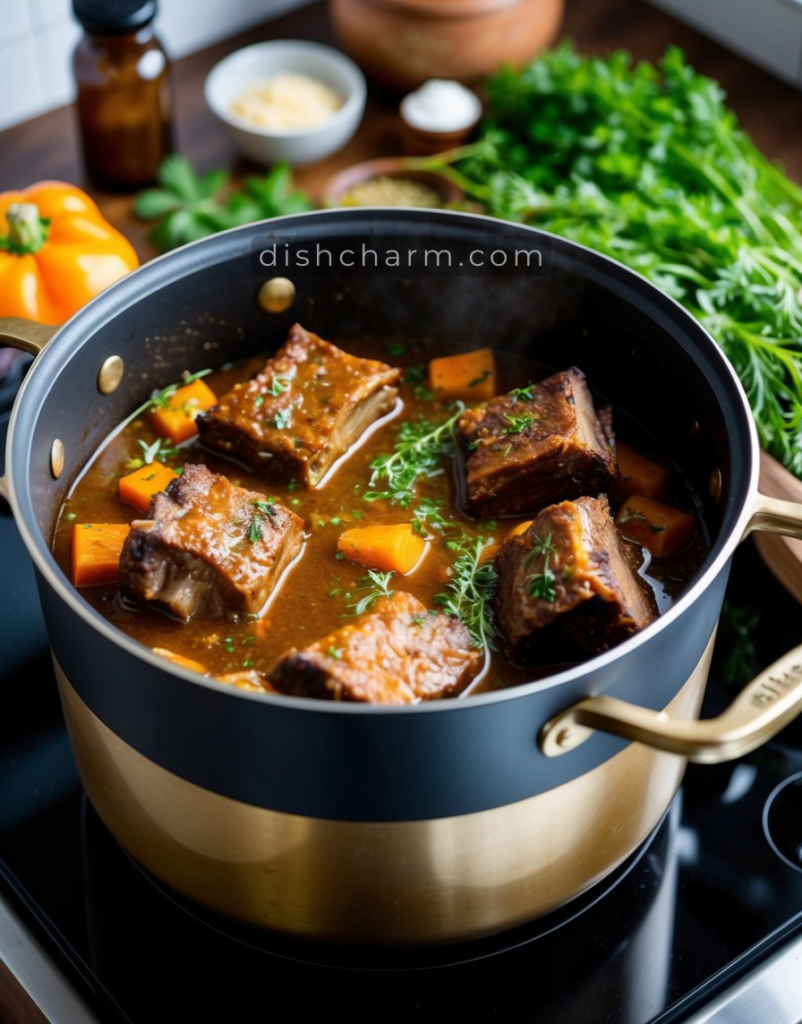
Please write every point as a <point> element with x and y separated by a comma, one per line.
<point>229,79</point>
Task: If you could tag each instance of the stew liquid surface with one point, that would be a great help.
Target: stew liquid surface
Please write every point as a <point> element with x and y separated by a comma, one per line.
<point>321,590</point>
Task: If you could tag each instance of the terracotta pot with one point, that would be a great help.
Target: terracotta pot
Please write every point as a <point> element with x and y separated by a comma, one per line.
<point>402,43</point>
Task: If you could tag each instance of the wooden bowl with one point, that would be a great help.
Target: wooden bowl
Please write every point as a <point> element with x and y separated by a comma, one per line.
<point>402,43</point>
<point>390,167</point>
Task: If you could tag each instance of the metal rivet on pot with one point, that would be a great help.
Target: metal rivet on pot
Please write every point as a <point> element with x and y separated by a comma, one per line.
<point>276,295</point>
<point>715,485</point>
<point>693,429</point>
<point>111,373</point>
<point>57,458</point>
<point>566,738</point>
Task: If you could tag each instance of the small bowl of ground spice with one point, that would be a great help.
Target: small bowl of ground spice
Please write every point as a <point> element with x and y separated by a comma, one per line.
<point>287,100</point>
<point>388,181</point>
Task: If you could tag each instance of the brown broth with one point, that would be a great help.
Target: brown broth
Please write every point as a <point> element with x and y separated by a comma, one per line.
<point>316,593</point>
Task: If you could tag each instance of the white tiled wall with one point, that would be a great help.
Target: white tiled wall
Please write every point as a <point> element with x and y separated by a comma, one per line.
<point>37,38</point>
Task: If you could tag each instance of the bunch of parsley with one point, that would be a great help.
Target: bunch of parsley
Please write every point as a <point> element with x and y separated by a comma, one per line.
<point>648,165</point>
<point>188,206</point>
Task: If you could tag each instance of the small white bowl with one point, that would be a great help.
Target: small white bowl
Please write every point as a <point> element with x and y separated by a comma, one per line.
<point>227,81</point>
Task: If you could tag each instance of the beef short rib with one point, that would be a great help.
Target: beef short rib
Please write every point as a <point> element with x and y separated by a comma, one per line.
<point>537,445</point>
<point>399,653</point>
<point>208,548</point>
<point>567,586</point>
<point>307,406</point>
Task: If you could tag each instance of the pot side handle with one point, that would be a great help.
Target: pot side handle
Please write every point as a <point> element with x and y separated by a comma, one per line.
<point>27,336</point>
<point>764,707</point>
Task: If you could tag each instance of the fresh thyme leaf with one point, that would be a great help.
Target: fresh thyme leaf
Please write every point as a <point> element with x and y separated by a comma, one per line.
<point>470,591</point>
<point>416,454</point>
<point>160,450</point>
<point>479,380</point>
<point>280,383</point>
<point>526,394</point>
<point>372,587</point>
<point>265,509</point>
<point>542,584</point>
<point>517,424</point>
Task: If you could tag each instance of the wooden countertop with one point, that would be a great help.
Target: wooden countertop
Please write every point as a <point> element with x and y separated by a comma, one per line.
<point>47,147</point>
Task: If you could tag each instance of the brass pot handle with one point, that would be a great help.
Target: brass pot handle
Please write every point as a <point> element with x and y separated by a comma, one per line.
<point>764,707</point>
<point>25,335</point>
<point>29,337</point>
<point>767,704</point>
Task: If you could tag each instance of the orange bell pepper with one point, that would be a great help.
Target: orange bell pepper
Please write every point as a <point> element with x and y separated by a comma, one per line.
<point>56,252</point>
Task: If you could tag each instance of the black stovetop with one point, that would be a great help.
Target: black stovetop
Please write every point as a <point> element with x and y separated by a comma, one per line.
<point>702,902</point>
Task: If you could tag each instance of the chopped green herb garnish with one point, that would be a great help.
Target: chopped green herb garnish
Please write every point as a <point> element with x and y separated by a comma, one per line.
<point>160,450</point>
<point>259,401</point>
<point>292,486</point>
<point>357,514</point>
<point>479,380</point>
<point>335,520</point>
<point>335,652</point>
<point>526,394</point>
<point>517,424</point>
<point>280,383</point>
<point>283,418</point>
<point>395,348</point>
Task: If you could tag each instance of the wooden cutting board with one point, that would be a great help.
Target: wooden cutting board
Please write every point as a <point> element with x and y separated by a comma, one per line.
<point>783,555</point>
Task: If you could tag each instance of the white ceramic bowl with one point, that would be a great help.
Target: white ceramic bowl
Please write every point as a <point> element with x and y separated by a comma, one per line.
<point>231,77</point>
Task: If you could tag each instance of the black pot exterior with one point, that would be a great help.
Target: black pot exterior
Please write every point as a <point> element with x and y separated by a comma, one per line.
<point>198,307</point>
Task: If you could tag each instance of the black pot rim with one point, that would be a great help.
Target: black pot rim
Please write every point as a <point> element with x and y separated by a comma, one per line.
<point>203,253</point>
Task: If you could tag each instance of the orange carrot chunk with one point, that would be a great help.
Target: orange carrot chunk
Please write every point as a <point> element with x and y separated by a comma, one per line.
<point>177,420</point>
<point>138,487</point>
<point>659,528</point>
<point>469,376</point>
<point>387,548</point>
<point>489,552</point>
<point>516,531</point>
<point>181,660</point>
<point>638,475</point>
<point>96,550</point>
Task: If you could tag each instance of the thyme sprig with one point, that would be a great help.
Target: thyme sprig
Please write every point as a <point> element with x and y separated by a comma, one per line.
<point>372,587</point>
<point>470,591</point>
<point>420,447</point>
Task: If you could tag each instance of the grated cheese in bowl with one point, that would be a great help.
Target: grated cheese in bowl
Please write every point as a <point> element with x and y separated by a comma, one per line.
<point>287,101</point>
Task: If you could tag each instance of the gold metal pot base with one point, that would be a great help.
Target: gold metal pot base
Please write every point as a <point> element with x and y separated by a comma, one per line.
<point>434,881</point>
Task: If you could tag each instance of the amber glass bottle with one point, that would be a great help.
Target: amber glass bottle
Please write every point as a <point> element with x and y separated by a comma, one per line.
<point>123,102</point>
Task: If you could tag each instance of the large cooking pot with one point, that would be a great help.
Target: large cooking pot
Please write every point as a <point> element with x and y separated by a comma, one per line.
<point>441,821</point>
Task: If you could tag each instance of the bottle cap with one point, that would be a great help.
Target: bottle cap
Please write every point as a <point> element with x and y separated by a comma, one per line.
<point>114,17</point>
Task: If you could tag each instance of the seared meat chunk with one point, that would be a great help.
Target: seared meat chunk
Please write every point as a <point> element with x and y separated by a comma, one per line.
<point>308,405</point>
<point>208,547</point>
<point>567,586</point>
<point>537,445</point>
<point>399,653</point>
